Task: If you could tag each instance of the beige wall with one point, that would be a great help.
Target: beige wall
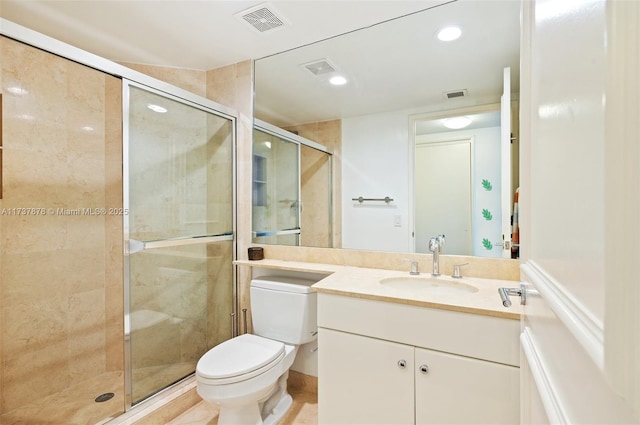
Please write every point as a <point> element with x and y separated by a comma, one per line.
<point>232,86</point>
<point>194,81</point>
<point>329,134</point>
<point>59,271</point>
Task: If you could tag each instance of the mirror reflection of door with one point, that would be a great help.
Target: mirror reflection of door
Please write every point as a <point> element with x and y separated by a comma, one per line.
<point>481,182</point>
<point>443,194</point>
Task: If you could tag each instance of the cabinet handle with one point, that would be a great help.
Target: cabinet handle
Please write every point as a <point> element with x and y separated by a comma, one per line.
<point>402,364</point>
<point>424,369</point>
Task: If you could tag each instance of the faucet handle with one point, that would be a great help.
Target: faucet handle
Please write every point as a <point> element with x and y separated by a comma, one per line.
<point>456,270</point>
<point>414,266</point>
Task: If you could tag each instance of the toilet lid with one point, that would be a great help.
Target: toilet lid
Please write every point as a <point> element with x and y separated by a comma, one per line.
<point>239,356</point>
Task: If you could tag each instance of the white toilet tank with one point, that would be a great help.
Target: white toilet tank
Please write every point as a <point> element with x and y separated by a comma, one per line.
<point>284,308</point>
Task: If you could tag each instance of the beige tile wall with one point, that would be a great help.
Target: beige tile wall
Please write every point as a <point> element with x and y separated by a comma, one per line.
<point>232,86</point>
<point>329,134</point>
<point>491,268</point>
<point>315,196</point>
<point>60,145</point>
<point>191,80</point>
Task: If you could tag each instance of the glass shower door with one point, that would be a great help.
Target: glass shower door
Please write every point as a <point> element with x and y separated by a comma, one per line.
<point>179,232</point>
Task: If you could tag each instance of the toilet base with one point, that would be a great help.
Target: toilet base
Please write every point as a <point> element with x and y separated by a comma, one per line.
<point>245,415</point>
<point>268,410</point>
<point>279,411</point>
<point>278,404</point>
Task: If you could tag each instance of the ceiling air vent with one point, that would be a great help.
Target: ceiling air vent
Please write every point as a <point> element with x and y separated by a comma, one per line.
<point>320,67</point>
<point>455,94</point>
<point>262,18</point>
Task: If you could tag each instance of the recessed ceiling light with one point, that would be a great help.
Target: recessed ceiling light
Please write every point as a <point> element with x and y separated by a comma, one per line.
<point>157,108</point>
<point>449,34</point>
<point>18,90</point>
<point>87,128</point>
<point>457,123</point>
<point>338,80</point>
<point>26,117</point>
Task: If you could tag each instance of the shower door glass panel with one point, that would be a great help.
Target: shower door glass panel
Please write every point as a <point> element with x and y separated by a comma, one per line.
<point>276,190</point>
<point>179,234</point>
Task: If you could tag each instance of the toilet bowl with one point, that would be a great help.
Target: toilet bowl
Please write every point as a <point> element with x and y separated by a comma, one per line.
<point>246,376</point>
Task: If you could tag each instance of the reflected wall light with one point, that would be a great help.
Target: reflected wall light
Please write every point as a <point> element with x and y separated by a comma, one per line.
<point>456,123</point>
<point>449,33</point>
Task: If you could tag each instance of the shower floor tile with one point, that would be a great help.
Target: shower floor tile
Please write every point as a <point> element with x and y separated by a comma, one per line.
<point>74,405</point>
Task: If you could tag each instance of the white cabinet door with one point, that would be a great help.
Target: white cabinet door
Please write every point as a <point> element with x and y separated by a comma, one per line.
<point>364,380</point>
<point>462,390</point>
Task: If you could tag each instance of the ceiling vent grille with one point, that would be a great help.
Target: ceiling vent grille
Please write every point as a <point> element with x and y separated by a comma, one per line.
<point>262,18</point>
<point>456,94</point>
<point>320,67</point>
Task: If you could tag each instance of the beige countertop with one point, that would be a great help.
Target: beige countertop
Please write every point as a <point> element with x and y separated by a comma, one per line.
<point>365,283</point>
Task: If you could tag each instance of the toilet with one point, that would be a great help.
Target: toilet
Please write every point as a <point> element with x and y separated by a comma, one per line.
<point>246,376</point>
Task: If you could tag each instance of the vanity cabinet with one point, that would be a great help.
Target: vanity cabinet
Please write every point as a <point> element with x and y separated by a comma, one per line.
<point>388,363</point>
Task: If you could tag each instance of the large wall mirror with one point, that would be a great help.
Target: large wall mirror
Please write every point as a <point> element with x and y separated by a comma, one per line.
<point>383,124</point>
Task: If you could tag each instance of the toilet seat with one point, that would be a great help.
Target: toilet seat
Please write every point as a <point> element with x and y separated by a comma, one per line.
<point>238,359</point>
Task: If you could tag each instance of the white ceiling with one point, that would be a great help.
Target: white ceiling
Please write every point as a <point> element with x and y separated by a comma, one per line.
<point>195,34</point>
<point>393,65</point>
<point>397,65</point>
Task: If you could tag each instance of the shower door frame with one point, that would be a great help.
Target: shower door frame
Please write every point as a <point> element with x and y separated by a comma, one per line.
<point>205,105</point>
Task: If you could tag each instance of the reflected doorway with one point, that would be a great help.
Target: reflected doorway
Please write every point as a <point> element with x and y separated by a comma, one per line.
<point>443,194</point>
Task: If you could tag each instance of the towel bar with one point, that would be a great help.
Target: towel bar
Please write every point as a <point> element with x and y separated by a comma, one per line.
<point>360,199</point>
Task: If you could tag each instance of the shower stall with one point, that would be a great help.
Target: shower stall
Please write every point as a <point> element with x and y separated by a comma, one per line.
<point>116,233</point>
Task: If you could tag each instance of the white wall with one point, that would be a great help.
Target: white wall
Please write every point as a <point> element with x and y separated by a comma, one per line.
<point>376,163</point>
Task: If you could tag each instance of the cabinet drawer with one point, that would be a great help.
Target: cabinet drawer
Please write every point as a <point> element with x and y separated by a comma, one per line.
<point>482,337</point>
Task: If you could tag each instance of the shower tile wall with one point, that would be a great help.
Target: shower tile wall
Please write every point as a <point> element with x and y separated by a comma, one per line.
<point>315,196</point>
<point>191,80</point>
<point>329,134</point>
<point>61,298</point>
<point>232,86</point>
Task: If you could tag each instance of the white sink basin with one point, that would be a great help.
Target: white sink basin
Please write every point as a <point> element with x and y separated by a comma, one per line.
<point>430,285</point>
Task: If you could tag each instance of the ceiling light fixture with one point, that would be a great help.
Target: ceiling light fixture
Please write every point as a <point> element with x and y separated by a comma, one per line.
<point>449,33</point>
<point>338,80</point>
<point>18,91</point>
<point>157,108</point>
<point>456,123</point>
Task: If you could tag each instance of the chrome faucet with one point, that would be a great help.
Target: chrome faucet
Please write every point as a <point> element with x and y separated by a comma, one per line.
<point>434,246</point>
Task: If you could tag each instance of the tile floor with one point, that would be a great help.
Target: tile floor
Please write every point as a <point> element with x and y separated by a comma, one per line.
<point>303,412</point>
